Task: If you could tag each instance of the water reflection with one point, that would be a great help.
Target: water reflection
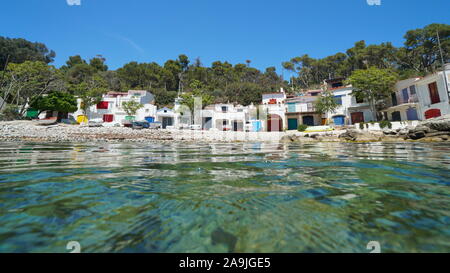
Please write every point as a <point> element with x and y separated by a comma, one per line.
<point>241,197</point>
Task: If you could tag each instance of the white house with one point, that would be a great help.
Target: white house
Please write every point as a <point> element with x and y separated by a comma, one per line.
<point>274,105</point>
<point>225,117</point>
<point>351,110</point>
<point>433,95</point>
<point>404,103</point>
<point>110,109</point>
<point>301,110</point>
<point>167,117</point>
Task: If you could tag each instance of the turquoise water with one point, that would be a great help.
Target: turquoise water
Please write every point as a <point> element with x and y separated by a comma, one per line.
<point>241,197</point>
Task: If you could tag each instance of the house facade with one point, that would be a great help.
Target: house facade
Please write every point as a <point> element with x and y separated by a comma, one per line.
<point>110,108</point>
<point>350,109</point>
<point>301,110</point>
<point>433,96</point>
<point>167,117</point>
<point>403,104</point>
<point>273,104</point>
<point>225,117</point>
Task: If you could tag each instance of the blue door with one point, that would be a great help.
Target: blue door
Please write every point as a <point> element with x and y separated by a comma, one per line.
<point>150,119</point>
<point>396,116</point>
<point>411,114</point>
<point>339,120</point>
<point>308,120</point>
<point>257,125</point>
<point>405,95</point>
<point>292,124</point>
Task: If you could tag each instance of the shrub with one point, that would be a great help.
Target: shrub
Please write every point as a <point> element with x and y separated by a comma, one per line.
<point>302,127</point>
<point>10,112</point>
<point>385,123</point>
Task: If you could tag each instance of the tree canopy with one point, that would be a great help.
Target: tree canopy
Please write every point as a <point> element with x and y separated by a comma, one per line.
<point>374,85</point>
<point>20,50</point>
<point>419,56</point>
<point>131,107</point>
<point>55,101</point>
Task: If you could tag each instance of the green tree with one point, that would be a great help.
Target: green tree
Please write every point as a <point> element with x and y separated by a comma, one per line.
<point>26,81</point>
<point>244,93</point>
<point>326,103</point>
<point>421,51</point>
<point>374,85</point>
<point>55,101</point>
<point>74,60</point>
<point>21,50</point>
<point>163,97</point>
<point>188,98</point>
<point>131,107</point>
<point>98,63</point>
<point>90,91</point>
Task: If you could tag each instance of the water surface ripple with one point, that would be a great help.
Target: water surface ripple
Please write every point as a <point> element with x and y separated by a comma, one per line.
<point>240,197</point>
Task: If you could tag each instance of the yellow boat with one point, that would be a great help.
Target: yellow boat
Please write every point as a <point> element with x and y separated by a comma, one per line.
<point>82,119</point>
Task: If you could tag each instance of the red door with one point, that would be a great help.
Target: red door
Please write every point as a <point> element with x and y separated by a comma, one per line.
<point>432,113</point>
<point>357,117</point>
<point>274,123</point>
<point>434,93</point>
<point>108,118</point>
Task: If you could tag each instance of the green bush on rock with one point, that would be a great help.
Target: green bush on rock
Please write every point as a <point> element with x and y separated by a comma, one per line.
<point>302,127</point>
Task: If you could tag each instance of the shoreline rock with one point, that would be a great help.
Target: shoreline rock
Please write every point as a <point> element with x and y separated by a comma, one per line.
<point>432,130</point>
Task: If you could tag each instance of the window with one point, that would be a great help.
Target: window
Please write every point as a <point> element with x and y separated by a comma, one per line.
<point>405,95</point>
<point>394,99</point>
<point>434,94</point>
<point>412,89</point>
<point>337,84</point>
<point>291,107</point>
<point>224,122</point>
<point>338,99</point>
<point>102,105</point>
<point>224,109</point>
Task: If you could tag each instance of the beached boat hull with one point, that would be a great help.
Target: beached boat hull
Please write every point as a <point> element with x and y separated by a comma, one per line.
<point>46,121</point>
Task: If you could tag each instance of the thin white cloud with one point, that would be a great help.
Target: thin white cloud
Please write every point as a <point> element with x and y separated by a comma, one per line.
<point>128,41</point>
<point>133,44</point>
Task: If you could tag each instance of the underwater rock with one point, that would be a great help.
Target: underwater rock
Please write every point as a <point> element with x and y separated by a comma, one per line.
<point>219,236</point>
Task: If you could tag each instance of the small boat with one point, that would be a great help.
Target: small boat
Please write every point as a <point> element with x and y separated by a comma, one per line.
<point>97,122</point>
<point>47,121</point>
<point>137,125</point>
<point>155,125</point>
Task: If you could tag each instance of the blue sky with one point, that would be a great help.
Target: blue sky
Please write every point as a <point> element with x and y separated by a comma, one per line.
<point>265,31</point>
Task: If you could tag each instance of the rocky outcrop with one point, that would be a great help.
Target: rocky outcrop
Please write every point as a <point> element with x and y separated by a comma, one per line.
<point>361,136</point>
<point>441,124</point>
<point>434,129</point>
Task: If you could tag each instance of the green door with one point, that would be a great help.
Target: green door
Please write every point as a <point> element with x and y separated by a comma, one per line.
<point>32,113</point>
<point>292,124</point>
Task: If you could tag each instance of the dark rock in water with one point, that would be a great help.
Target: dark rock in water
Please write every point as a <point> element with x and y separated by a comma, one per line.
<point>288,138</point>
<point>416,134</point>
<point>219,236</point>
<point>349,135</point>
<point>390,132</point>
